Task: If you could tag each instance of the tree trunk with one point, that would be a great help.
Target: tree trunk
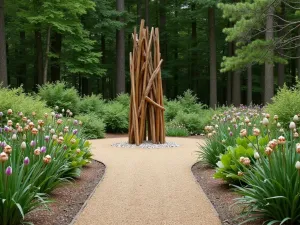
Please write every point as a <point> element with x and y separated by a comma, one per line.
<point>39,68</point>
<point>56,45</point>
<point>269,70</point>
<point>103,60</point>
<point>86,86</point>
<point>46,56</point>
<point>194,50</point>
<point>236,89</point>
<point>298,55</point>
<point>236,83</point>
<point>213,60</point>
<point>249,85</point>
<point>22,67</point>
<point>176,83</point>
<point>3,58</point>
<point>147,21</point>
<point>120,86</point>
<point>139,12</point>
<point>162,27</point>
<point>281,75</point>
<point>229,77</point>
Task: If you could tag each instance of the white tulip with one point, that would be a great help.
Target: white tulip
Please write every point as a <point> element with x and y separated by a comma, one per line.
<point>297,165</point>
<point>256,155</point>
<point>292,125</point>
<point>265,121</point>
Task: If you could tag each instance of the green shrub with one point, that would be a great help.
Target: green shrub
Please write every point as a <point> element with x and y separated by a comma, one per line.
<point>18,101</point>
<point>286,103</point>
<point>189,103</point>
<point>172,109</point>
<point>92,104</point>
<point>123,99</point>
<point>176,130</point>
<point>93,127</point>
<point>194,122</point>
<point>116,117</point>
<point>58,94</point>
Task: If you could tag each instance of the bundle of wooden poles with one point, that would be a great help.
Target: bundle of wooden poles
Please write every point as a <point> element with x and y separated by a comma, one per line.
<point>146,119</point>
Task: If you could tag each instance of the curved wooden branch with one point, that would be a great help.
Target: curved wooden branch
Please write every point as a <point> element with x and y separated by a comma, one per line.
<point>154,103</point>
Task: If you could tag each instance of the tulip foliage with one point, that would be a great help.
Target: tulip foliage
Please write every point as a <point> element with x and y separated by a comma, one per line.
<point>272,190</point>
<point>262,159</point>
<point>37,156</point>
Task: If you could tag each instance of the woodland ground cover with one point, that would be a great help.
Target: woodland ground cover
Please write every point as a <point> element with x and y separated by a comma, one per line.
<point>258,154</point>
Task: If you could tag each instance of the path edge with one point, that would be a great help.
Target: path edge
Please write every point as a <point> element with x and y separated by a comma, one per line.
<point>90,196</point>
<point>200,188</point>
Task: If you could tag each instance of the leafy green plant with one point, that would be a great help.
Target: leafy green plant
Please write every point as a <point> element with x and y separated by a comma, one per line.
<point>58,94</point>
<point>172,109</point>
<point>38,156</point>
<point>176,130</point>
<point>229,165</point>
<point>17,193</point>
<point>286,103</point>
<point>123,99</point>
<point>92,104</point>
<point>273,184</point>
<point>216,145</point>
<point>116,117</point>
<point>194,122</point>
<point>93,127</point>
<point>189,103</point>
<point>19,102</point>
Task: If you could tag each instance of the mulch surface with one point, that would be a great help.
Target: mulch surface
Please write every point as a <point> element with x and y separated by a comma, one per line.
<point>69,198</point>
<point>220,194</point>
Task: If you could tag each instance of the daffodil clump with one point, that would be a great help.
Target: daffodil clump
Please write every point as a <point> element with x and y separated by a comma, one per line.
<point>36,156</point>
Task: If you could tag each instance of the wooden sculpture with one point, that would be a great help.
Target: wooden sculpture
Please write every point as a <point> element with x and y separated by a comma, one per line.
<point>146,119</point>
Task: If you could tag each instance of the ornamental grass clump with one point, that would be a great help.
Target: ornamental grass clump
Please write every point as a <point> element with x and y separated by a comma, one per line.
<point>272,190</point>
<point>37,156</point>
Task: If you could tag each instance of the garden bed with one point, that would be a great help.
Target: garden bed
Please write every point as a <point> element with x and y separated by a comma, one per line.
<point>69,199</point>
<point>219,194</point>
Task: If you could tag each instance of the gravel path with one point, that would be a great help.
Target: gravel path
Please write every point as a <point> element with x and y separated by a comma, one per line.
<point>148,186</point>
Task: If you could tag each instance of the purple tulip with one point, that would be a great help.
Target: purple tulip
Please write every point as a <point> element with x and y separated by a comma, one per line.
<point>8,171</point>
<point>32,143</point>
<point>47,138</point>
<point>75,131</point>
<point>26,161</point>
<point>230,133</point>
<point>75,122</point>
<point>57,116</point>
<point>6,128</point>
<point>43,149</point>
<point>3,144</point>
